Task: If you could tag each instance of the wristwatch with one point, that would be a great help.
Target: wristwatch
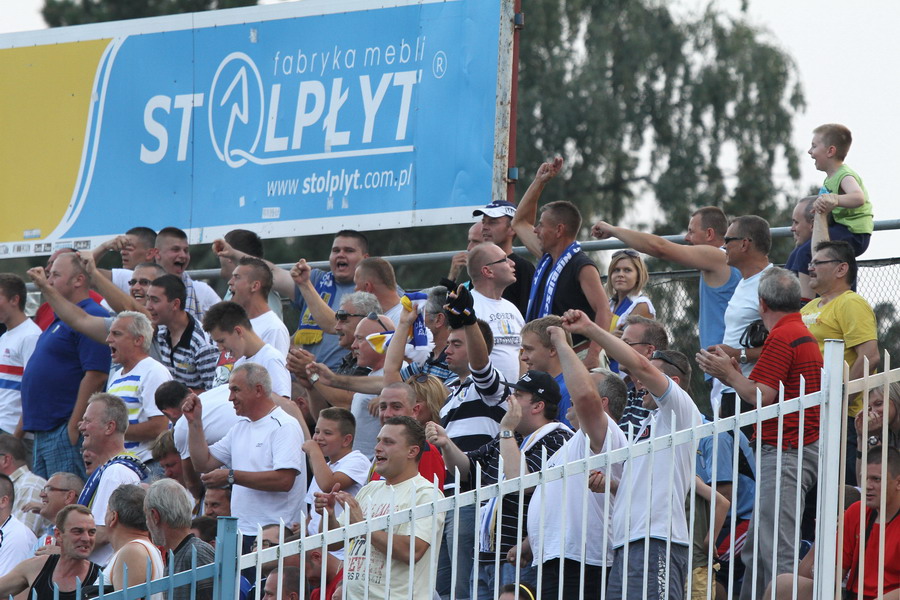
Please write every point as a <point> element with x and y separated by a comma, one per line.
<point>230,476</point>
<point>743,359</point>
<point>506,433</point>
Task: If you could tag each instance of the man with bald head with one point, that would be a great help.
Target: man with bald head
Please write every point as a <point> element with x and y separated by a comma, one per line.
<point>492,271</point>
<point>64,370</point>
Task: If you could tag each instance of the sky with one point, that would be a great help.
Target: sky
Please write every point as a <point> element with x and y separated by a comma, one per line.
<point>845,59</point>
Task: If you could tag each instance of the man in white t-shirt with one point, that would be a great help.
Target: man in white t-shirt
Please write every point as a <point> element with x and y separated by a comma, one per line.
<point>492,271</point>
<point>136,379</point>
<point>545,526</point>
<point>649,525</point>
<point>747,244</point>
<point>401,487</point>
<point>16,347</point>
<point>261,455</point>
<point>250,285</point>
<point>17,539</point>
<point>230,328</point>
<point>103,428</point>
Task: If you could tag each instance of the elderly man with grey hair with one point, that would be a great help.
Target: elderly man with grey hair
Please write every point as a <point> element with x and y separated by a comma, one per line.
<point>167,507</point>
<point>103,428</point>
<point>135,380</point>
<point>789,357</point>
<point>261,454</point>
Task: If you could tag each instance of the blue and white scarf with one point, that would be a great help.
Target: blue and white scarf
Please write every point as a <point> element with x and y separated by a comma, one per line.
<point>90,487</point>
<point>546,303</point>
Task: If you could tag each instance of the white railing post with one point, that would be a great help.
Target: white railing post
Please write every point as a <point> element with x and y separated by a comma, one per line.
<point>830,425</point>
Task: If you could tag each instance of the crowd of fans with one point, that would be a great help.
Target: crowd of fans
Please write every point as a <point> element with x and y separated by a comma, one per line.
<point>137,406</point>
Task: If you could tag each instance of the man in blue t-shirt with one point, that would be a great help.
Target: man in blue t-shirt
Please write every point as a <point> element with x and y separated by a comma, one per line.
<point>65,369</point>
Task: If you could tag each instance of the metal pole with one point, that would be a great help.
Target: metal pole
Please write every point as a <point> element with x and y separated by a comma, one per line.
<point>227,552</point>
<point>512,169</point>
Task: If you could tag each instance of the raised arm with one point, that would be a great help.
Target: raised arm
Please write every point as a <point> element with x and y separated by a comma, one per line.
<point>203,461</point>
<point>636,364</point>
<point>526,212</point>
<point>282,281</point>
<point>587,402</point>
<point>703,258</point>
<point>71,314</point>
<point>117,299</point>
<point>393,358</point>
<point>318,308</point>
<point>589,280</point>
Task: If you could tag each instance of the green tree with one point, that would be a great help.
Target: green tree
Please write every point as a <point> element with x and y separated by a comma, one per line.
<point>58,13</point>
<point>690,111</point>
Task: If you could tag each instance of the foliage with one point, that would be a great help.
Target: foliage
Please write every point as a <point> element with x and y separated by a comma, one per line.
<point>689,111</point>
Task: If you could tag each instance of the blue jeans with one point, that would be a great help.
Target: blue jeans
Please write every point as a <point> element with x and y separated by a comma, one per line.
<point>507,574</point>
<point>464,559</point>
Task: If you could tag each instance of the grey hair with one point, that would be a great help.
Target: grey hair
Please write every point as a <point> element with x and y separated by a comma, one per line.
<point>115,409</point>
<point>809,213</point>
<point>70,481</point>
<point>614,389</point>
<point>437,298</point>
<point>780,289</point>
<point>256,375</point>
<point>127,501</point>
<point>139,326</point>
<point>363,302</point>
<point>168,497</point>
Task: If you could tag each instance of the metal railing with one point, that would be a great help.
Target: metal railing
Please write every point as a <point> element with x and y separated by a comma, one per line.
<point>832,404</point>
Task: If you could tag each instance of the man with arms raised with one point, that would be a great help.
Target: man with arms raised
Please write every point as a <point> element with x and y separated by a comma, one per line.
<point>565,277</point>
<point>248,242</point>
<point>396,459</point>
<point>705,238</point>
<point>69,570</point>
<point>317,298</point>
<point>539,353</point>
<point>261,453</point>
<point>137,246</point>
<point>64,370</point>
<point>649,525</point>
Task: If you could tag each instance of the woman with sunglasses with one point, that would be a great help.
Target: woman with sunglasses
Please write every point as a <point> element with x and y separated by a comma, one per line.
<point>625,281</point>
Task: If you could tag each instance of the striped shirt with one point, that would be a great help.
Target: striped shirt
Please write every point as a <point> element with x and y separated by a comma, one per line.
<point>137,389</point>
<point>472,413</point>
<point>16,347</point>
<point>192,361</point>
<point>433,365</point>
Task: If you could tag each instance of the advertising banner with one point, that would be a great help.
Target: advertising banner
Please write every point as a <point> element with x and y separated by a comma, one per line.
<point>290,119</point>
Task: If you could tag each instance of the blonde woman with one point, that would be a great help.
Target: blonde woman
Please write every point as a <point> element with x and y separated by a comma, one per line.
<point>626,278</point>
<point>430,396</point>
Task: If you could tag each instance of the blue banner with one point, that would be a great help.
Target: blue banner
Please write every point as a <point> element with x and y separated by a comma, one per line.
<point>285,125</point>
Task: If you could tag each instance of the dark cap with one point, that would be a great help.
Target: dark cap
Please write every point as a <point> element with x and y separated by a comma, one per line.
<point>497,208</point>
<point>540,384</point>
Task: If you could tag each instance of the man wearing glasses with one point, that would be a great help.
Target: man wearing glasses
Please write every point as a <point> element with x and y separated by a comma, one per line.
<point>839,313</point>
<point>791,358</point>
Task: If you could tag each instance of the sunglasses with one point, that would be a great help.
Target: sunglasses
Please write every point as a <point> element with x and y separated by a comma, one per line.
<point>626,252</point>
<point>144,282</point>
<point>343,315</point>
<point>373,316</point>
<point>421,378</point>
<point>657,355</point>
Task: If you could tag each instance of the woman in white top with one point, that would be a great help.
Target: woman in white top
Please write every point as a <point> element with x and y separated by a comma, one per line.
<point>626,278</point>
<point>126,527</point>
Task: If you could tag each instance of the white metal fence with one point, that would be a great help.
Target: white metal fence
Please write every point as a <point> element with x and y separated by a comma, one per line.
<point>571,475</point>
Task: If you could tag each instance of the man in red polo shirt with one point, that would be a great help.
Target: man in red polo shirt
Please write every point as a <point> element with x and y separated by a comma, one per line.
<point>790,355</point>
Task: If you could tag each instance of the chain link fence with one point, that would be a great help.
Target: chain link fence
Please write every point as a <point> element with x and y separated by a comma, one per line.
<point>675,296</point>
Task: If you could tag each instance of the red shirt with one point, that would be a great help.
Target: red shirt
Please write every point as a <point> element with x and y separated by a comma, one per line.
<point>329,589</point>
<point>431,465</point>
<point>790,352</point>
<point>851,552</point>
<point>44,316</point>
